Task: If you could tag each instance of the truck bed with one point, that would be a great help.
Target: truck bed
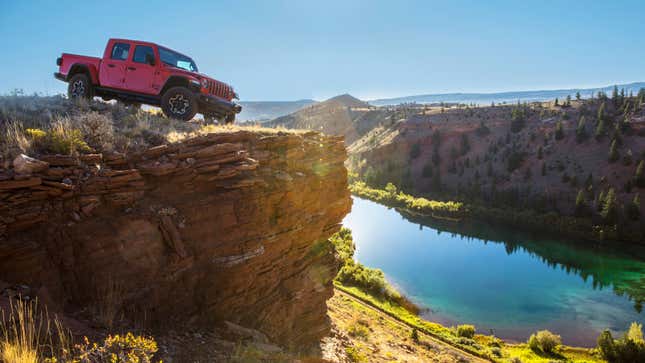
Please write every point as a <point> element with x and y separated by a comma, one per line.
<point>70,59</point>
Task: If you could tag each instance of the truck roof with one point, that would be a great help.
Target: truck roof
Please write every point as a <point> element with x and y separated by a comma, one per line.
<point>145,43</point>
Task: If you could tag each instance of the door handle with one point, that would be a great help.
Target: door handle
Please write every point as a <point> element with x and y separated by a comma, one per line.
<point>132,69</point>
<point>111,65</point>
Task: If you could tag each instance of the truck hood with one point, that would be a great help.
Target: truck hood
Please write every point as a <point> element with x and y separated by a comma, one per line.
<point>215,87</point>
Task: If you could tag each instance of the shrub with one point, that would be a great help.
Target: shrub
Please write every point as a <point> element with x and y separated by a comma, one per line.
<point>630,348</point>
<point>545,341</point>
<point>359,330</point>
<point>64,138</point>
<point>119,349</point>
<point>414,335</point>
<point>354,355</point>
<point>466,331</point>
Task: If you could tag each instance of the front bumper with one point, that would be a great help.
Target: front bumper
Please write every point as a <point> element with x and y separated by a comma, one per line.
<point>216,105</point>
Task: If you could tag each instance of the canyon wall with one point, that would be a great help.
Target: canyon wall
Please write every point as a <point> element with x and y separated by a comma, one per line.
<point>224,226</point>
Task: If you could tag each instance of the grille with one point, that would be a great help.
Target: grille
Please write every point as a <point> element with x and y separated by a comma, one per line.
<point>219,89</point>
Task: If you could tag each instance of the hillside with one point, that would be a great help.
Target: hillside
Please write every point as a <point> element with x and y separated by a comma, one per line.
<point>502,97</point>
<point>268,110</point>
<point>341,115</point>
<point>538,155</point>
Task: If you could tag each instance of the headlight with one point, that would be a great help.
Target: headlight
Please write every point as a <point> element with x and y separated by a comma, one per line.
<point>204,83</point>
<point>195,82</point>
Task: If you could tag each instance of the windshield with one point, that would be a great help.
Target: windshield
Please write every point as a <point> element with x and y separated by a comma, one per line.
<point>177,60</point>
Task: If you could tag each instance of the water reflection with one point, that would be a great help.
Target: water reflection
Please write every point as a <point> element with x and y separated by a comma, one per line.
<point>615,265</point>
<point>502,280</point>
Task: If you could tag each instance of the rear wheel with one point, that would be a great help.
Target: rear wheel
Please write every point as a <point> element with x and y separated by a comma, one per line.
<point>79,86</point>
<point>179,103</point>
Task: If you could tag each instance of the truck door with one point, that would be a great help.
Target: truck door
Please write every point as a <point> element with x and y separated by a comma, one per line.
<point>141,71</point>
<point>112,73</point>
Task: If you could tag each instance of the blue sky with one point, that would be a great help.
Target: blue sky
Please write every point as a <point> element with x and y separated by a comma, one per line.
<point>286,50</point>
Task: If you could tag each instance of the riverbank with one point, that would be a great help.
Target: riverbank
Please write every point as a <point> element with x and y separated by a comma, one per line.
<point>368,285</point>
<point>551,223</point>
<point>480,346</point>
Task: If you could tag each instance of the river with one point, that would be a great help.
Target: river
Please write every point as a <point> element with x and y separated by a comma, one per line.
<point>504,282</point>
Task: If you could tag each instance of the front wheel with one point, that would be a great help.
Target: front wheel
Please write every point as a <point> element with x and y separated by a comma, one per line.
<point>80,87</point>
<point>179,103</point>
<point>230,118</point>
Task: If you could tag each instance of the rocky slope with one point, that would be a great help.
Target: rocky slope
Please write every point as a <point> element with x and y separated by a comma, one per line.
<point>230,225</point>
<point>341,115</point>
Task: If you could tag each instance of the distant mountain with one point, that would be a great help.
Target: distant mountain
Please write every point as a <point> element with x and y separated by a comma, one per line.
<point>268,110</point>
<point>341,115</point>
<point>508,97</point>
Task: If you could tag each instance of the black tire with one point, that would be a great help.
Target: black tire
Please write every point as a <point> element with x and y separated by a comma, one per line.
<point>80,86</point>
<point>229,119</point>
<point>179,103</point>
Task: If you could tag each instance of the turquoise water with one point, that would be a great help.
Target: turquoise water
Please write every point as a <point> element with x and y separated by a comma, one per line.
<point>504,282</point>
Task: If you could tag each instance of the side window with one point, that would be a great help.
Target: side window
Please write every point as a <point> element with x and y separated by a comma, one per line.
<point>120,51</point>
<point>142,53</point>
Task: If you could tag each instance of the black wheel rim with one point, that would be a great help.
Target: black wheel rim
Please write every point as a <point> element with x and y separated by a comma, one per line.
<point>178,104</point>
<point>78,89</point>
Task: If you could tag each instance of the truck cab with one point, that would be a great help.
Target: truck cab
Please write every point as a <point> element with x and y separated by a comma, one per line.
<point>135,71</point>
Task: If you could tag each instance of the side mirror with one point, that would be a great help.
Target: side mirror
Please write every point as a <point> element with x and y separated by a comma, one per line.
<point>150,59</point>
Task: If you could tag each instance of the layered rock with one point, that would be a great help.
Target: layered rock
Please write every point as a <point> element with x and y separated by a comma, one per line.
<point>225,226</point>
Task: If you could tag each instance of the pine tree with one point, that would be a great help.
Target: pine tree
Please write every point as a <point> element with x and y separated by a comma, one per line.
<point>609,210</point>
<point>614,96</point>
<point>634,208</point>
<point>628,158</point>
<point>581,205</point>
<point>600,129</point>
<point>639,176</point>
<point>568,101</point>
<point>581,130</point>
<point>559,133</point>
<point>578,97</point>
<point>557,103</point>
<point>601,112</point>
<point>543,169</point>
<point>601,201</point>
<point>539,154</point>
<point>613,152</point>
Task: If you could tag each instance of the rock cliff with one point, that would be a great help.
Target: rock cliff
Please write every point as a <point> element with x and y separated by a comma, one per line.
<point>224,226</point>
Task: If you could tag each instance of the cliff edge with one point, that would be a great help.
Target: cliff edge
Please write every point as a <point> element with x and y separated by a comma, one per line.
<point>230,225</point>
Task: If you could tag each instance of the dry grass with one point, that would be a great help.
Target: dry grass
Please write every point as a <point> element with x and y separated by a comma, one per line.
<point>28,335</point>
<point>108,302</point>
<point>70,127</point>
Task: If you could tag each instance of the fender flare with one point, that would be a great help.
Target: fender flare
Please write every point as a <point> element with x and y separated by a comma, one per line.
<point>181,81</point>
<point>84,68</point>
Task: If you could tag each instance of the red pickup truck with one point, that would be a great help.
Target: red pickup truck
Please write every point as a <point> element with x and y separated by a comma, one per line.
<point>138,72</point>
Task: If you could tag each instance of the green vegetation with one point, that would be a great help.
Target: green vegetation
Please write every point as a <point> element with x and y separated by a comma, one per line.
<point>581,130</point>
<point>559,132</point>
<point>544,341</point>
<point>356,274</point>
<point>462,336</point>
<point>391,197</point>
<point>518,119</point>
<point>630,348</point>
<point>613,152</point>
<point>466,331</point>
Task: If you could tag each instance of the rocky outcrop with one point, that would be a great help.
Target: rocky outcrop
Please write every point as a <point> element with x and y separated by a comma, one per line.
<point>225,226</point>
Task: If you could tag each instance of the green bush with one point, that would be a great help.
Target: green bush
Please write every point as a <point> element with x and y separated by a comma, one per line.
<point>466,331</point>
<point>545,341</point>
<point>630,348</point>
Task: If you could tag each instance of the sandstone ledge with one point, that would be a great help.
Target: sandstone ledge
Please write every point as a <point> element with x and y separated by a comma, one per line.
<point>223,226</point>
